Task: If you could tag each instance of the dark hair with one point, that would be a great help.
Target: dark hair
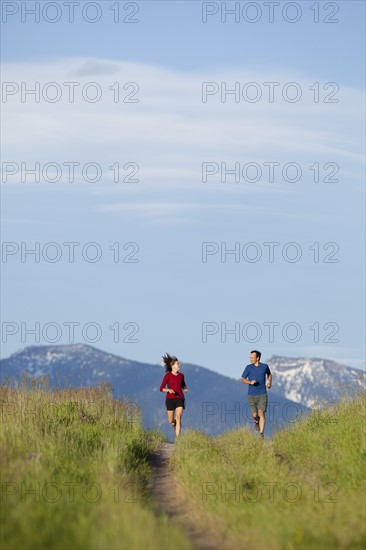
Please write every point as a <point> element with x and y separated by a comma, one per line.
<point>257,353</point>
<point>168,361</point>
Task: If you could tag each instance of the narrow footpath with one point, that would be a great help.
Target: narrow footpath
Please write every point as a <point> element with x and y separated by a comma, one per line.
<point>168,499</point>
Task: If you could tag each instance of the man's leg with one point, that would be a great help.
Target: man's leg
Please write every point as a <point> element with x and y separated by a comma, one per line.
<point>262,420</point>
<point>256,420</point>
<point>254,410</point>
<point>262,407</point>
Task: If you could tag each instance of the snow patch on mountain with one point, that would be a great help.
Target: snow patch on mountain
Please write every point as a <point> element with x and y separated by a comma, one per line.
<point>315,380</point>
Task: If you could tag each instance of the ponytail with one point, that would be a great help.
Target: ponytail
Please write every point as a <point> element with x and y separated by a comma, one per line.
<point>168,361</point>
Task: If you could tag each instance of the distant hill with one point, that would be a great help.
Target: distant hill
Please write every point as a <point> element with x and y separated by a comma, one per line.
<point>308,381</point>
<point>215,403</point>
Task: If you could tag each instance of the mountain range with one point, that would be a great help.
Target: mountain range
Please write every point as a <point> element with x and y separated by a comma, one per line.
<point>215,403</point>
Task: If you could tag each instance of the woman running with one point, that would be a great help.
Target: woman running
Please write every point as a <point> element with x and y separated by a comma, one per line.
<point>175,400</point>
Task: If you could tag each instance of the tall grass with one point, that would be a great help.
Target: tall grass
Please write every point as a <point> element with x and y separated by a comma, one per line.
<point>75,473</point>
<point>303,489</point>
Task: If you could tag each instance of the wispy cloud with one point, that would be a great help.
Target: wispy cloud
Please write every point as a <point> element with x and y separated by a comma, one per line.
<point>170,124</point>
<point>170,132</point>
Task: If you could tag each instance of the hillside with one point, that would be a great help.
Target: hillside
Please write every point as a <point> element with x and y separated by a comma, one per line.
<point>302,489</point>
<point>75,476</point>
<point>81,477</point>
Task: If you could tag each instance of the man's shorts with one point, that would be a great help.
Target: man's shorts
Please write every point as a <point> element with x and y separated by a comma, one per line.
<point>173,403</point>
<point>258,402</point>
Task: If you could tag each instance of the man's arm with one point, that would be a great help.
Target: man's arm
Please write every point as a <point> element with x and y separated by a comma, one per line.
<point>244,377</point>
<point>269,381</point>
<point>250,382</point>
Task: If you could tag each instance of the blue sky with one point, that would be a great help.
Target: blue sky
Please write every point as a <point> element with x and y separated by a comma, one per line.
<point>170,293</point>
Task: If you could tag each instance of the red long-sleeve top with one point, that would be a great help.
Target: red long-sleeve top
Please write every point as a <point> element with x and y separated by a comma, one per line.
<point>175,382</point>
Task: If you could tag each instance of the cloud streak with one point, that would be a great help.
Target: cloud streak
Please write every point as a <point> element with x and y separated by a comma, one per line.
<point>170,124</point>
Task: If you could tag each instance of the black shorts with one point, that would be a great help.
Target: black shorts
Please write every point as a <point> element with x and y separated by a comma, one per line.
<point>174,402</point>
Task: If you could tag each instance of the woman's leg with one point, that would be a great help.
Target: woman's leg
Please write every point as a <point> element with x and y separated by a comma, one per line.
<point>178,417</point>
<point>170,416</point>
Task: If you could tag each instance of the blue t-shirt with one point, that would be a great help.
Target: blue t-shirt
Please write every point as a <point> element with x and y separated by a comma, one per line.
<point>251,372</point>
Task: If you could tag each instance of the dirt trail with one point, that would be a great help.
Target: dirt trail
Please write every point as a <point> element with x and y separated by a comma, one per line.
<point>169,500</point>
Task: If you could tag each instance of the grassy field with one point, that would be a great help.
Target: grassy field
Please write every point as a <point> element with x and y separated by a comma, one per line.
<point>302,489</point>
<point>74,473</point>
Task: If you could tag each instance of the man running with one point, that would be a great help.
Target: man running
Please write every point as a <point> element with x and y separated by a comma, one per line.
<point>255,376</point>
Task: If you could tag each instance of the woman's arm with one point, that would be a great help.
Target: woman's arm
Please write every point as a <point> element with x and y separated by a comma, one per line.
<point>163,384</point>
<point>184,387</point>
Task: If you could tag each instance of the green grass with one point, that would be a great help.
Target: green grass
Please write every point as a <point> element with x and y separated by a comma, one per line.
<point>75,473</point>
<point>303,489</point>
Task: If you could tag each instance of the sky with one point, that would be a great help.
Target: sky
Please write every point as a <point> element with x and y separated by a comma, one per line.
<point>203,193</point>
